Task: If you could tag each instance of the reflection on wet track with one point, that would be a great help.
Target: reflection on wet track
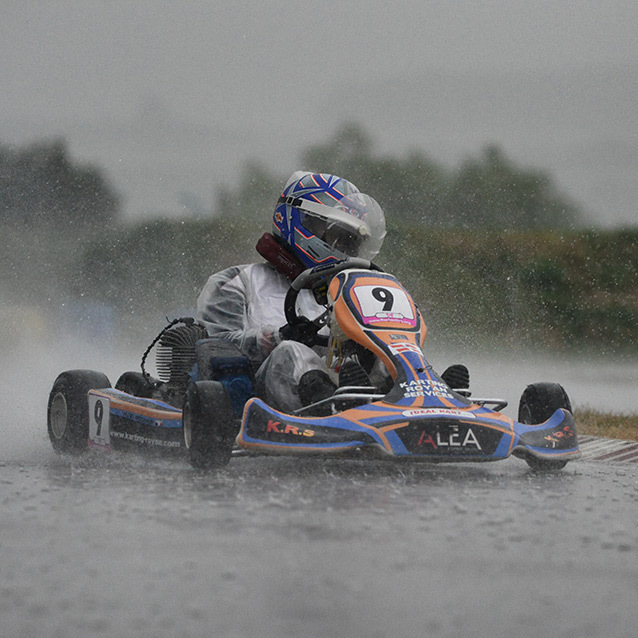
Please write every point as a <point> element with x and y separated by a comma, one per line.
<point>274,546</point>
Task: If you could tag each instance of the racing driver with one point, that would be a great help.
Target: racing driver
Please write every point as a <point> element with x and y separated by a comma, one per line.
<point>319,219</point>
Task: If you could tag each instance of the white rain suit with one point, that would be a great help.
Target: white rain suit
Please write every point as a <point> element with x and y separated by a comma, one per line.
<point>245,304</point>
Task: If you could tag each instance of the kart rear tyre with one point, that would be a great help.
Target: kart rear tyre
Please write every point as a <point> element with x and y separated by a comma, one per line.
<point>538,402</point>
<point>135,383</point>
<point>209,425</point>
<point>68,409</point>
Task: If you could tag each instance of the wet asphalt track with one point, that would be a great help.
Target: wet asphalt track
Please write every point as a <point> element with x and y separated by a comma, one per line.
<point>285,547</point>
<point>120,547</point>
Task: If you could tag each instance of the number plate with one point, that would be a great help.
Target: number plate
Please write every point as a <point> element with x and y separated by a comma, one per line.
<point>385,304</point>
<point>99,421</point>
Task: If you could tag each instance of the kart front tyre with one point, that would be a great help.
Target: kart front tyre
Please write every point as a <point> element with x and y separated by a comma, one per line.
<point>209,425</point>
<point>68,409</point>
<point>538,402</point>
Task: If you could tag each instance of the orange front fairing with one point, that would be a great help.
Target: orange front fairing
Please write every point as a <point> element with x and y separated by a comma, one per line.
<point>375,300</point>
<point>473,433</point>
<point>374,310</point>
<point>382,427</point>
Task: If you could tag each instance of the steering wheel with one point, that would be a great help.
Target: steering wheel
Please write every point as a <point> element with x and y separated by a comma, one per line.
<point>308,279</point>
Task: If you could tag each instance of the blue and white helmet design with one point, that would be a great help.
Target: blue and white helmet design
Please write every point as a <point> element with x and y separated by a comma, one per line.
<point>324,218</point>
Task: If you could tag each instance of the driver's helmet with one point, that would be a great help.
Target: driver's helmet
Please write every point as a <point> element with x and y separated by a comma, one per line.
<point>324,219</point>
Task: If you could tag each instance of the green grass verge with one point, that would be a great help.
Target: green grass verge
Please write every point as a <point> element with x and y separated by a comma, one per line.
<point>612,426</point>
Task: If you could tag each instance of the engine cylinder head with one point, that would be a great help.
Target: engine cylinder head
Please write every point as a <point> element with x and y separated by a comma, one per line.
<point>175,356</point>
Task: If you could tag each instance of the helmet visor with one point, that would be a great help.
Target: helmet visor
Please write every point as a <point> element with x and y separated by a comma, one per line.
<point>355,225</point>
<point>345,240</point>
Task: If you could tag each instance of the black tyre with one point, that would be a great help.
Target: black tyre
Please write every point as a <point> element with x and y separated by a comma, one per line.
<point>68,408</point>
<point>134,383</point>
<point>209,425</point>
<point>538,402</point>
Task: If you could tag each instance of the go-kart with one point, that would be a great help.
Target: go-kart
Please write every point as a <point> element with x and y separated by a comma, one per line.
<point>202,402</point>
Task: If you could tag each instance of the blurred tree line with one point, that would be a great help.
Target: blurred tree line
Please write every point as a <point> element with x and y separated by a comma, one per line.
<point>488,192</point>
<point>51,210</point>
<point>551,291</point>
<point>41,186</point>
<point>488,250</point>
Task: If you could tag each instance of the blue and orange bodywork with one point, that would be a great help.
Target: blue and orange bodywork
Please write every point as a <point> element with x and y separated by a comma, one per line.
<point>420,416</point>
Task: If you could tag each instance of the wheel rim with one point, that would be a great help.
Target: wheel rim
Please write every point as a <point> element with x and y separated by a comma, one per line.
<point>59,415</point>
<point>187,426</point>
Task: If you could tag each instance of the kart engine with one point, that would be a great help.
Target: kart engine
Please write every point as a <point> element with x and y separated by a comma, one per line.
<point>175,354</point>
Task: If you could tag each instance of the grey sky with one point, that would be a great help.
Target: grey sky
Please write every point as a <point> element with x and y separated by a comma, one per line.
<point>171,98</point>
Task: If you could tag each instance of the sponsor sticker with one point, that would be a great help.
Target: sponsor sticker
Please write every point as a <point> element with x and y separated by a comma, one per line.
<point>555,437</point>
<point>425,388</point>
<point>144,440</point>
<point>286,428</point>
<point>401,348</point>
<point>438,412</point>
<point>452,439</point>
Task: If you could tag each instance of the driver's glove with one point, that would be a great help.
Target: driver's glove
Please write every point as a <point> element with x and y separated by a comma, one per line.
<point>268,338</point>
<point>304,331</point>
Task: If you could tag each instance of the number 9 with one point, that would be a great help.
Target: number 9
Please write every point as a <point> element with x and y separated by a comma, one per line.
<point>385,297</point>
